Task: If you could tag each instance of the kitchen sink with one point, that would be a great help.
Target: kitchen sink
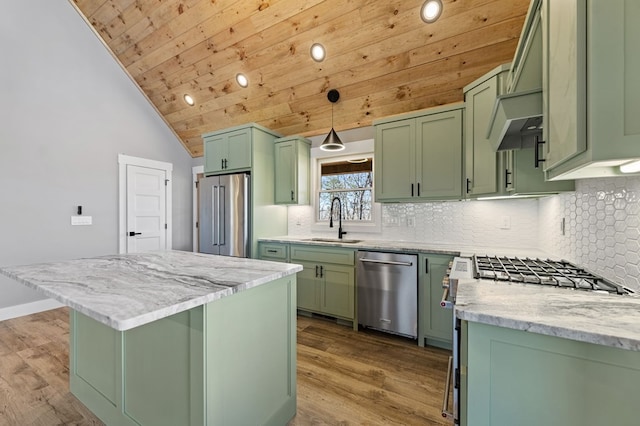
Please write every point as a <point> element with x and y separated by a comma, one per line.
<point>333,240</point>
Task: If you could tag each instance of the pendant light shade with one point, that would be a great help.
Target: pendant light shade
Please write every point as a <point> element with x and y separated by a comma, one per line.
<point>332,142</point>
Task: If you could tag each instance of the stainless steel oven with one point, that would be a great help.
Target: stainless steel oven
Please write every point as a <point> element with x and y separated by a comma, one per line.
<point>459,269</point>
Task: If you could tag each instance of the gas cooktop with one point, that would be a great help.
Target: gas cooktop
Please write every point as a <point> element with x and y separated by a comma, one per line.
<point>543,272</point>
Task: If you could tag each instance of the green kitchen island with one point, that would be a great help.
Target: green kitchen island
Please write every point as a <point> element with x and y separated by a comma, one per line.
<point>177,338</point>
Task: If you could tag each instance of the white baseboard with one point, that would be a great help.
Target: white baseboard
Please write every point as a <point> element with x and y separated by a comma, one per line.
<point>28,308</point>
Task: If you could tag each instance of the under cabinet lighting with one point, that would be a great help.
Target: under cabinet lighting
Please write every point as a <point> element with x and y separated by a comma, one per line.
<point>189,100</point>
<point>242,80</point>
<point>632,167</point>
<point>318,52</point>
<point>431,11</point>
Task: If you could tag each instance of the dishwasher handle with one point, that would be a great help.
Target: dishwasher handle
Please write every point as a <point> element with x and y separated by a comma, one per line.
<point>386,262</point>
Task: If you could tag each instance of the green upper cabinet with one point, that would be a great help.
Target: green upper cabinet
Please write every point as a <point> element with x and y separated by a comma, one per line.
<point>482,163</point>
<point>249,148</point>
<point>292,170</point>
<point>418,156</point>
<point>227,151</point>
<point>521,176</point>
<point>436,323</point>
<point>591,90</point>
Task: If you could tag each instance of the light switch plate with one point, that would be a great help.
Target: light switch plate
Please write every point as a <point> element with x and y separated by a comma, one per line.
<point>81,220</point>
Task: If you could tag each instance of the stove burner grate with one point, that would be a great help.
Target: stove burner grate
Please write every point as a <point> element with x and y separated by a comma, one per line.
<point>543,272</point>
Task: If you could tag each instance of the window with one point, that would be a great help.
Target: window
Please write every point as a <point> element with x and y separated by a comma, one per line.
<point>351,181</point>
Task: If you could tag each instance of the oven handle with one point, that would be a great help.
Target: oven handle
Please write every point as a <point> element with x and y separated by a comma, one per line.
<point>385,262</point>
<point>447,304</point>
<point>445,399</point>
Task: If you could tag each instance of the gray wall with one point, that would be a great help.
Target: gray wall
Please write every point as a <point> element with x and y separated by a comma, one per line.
<point>67,111</point>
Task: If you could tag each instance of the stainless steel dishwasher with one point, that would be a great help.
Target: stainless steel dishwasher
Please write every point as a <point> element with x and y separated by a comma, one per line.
<point>387,286</point>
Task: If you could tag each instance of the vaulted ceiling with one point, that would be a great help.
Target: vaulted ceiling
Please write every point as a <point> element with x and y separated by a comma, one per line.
<point>381,56</point>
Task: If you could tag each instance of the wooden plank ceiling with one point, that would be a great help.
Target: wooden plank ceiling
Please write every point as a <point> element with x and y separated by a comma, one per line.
<point>381,56</point>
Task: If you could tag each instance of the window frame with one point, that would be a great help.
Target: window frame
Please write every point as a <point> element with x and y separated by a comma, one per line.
<point>353,151</point>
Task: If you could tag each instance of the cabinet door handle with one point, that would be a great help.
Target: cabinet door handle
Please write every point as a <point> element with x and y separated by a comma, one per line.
<point>225,164</point>
<point>426,266</point>
<point>316,271</point>
<point>412,190</point>
<point>321,271</point>
<point>468,183</point>
<point>291,195</point>
<point>272,251</point>
<point>507,173</point>
<point>418,189</point>
<point>538,160</point>
<point>222,163</point>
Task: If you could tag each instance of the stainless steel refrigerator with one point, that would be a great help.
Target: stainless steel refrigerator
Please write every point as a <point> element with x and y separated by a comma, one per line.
<point>224,226</point>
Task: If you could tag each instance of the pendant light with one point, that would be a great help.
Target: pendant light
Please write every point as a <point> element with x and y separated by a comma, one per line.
<point>332,142</point>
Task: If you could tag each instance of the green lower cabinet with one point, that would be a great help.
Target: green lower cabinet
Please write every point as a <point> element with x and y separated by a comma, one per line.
<point>337,291</point>
<point>275,252</point>
<point>327,289</point>
<point>527,379</point>
<point>230,362</point>
<point>309,288</point>
<point>436,323</point>
<point>327,284</point>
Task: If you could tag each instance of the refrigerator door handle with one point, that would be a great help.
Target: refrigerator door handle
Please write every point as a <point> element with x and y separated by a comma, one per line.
<point>221,214</point>
<point>215,194</point>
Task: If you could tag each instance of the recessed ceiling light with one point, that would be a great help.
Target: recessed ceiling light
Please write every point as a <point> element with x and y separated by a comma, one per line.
<point>242,80</point>
<point>431,11</point>
<point>189,100</point>
<point>318,52</point>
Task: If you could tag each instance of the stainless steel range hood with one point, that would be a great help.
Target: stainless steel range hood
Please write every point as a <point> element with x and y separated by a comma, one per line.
<point>516,120</point>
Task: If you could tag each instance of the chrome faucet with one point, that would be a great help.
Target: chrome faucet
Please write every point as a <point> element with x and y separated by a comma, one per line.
<point>340,231</point>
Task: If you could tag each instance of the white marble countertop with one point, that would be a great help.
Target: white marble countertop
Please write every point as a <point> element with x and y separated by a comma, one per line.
<point>603,319</point>
<point>412,246</point>
<point>129,290</point>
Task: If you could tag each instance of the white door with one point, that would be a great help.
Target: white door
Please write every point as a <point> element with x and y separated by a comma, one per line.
<point>146,209</point>
<point>144,204</point>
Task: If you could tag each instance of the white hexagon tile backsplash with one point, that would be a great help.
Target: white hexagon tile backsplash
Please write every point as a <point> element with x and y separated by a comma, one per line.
<point>602,227</point>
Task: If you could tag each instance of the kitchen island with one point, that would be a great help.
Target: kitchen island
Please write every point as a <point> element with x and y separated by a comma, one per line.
<point>177,338</point>
<point>533,355</point>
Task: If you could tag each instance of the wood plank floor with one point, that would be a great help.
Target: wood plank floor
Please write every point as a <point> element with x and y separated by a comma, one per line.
<point>344,377</point>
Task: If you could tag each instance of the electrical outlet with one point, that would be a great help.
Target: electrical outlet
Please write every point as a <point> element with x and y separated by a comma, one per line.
<point>81,220</point>
<point>505,222</point>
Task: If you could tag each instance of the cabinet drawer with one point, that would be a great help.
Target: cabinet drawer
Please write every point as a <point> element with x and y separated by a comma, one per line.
<point>321,254</point>
<point>273,251</point>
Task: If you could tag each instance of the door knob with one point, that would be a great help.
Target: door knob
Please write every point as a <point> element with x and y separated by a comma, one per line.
<point>133,234</point>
